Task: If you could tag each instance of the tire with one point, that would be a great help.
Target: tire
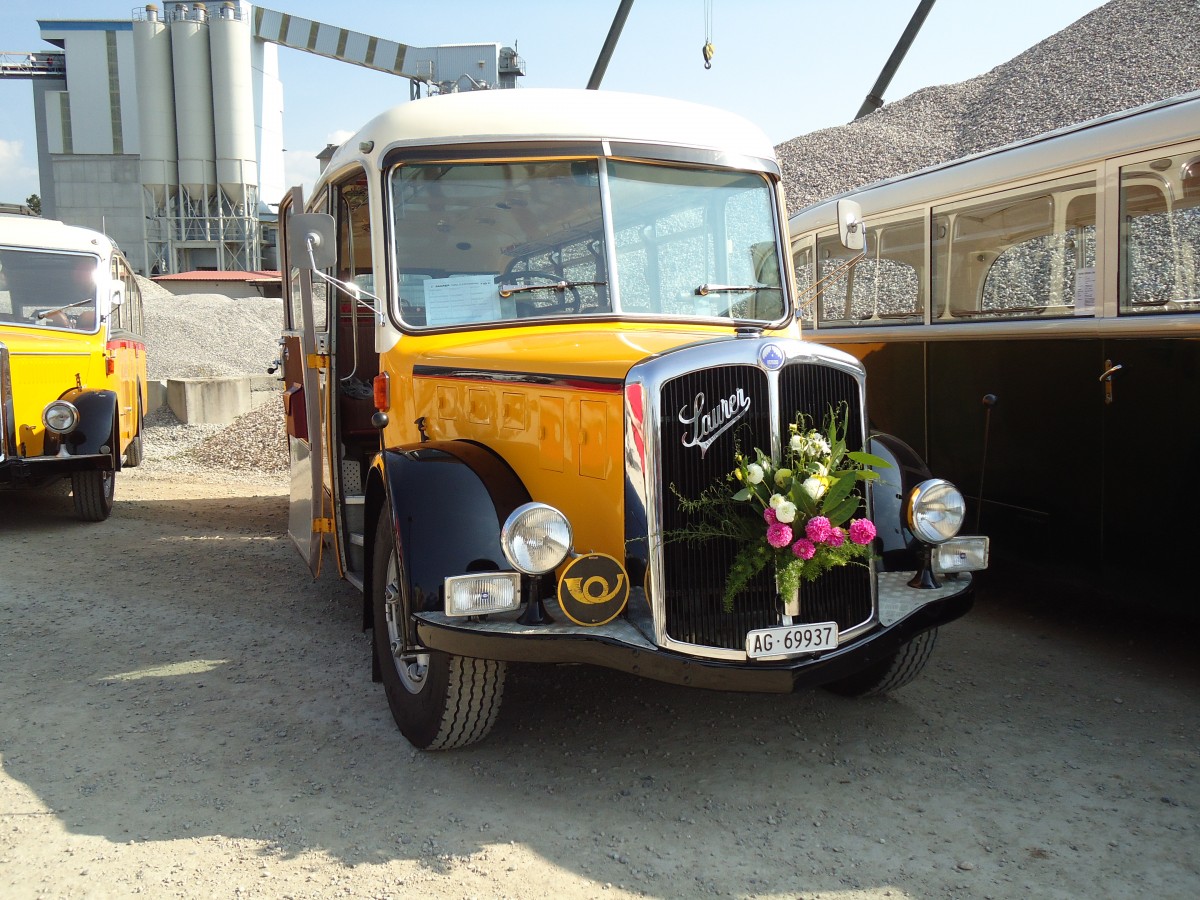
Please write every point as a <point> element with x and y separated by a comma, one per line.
<point>92,491</point>
<point>439,701</point>
<point>890,674</point>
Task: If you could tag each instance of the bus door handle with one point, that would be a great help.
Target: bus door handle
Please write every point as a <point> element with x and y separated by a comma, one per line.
<point>1109,371</point>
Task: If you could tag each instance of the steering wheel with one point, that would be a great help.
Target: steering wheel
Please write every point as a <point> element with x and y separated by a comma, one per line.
<point>568,305</point>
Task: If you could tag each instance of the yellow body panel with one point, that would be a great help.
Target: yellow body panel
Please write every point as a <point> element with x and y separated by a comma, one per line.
<point>549,400</point>
<point>46,363</point>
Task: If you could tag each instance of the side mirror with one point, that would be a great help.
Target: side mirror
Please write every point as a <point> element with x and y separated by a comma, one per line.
<point>851,229</point>
<point>312,240</point>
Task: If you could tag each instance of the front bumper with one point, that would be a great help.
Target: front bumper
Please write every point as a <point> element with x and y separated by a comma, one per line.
<point>34,471</point>
<point>622,644</point>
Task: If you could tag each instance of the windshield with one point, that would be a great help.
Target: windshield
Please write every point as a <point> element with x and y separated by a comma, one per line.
<point>48,289</point>
<point>494,242</point>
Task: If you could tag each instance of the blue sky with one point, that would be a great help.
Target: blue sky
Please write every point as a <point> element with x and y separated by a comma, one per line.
<point>791,67</point>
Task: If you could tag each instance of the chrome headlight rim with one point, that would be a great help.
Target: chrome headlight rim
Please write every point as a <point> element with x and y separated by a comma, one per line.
<point>935,511</point>
<point>60,417</point>
<point>533,521</point>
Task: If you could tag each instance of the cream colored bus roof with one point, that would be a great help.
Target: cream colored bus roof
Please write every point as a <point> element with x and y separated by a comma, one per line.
<point>37,233</point>
<point>557,114</point>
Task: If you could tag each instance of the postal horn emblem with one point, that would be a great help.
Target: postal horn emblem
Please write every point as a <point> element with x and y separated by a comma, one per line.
<point>593,589</point>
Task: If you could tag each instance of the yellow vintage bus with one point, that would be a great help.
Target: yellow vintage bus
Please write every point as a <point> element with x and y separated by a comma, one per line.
<point>72,361</point>
<point>526,331</point>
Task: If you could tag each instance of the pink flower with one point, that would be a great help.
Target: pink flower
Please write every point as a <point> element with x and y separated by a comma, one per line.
<point>779,535</point>
<point>769,515</point>
<point>862,531</point>
<point>804,549</point>
<point>837,537</point>
<point>818,529</point>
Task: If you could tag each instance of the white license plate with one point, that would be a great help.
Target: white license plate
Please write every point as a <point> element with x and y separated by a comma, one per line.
<point>792,640</point>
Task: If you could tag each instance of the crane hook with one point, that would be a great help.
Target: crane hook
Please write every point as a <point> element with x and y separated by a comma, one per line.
<point>708,54</point>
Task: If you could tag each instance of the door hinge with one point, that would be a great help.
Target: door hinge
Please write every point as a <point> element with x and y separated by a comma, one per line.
<point>322,526</point>
<point>318,361</point>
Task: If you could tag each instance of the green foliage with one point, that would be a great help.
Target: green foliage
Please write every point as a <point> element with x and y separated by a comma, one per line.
<point>816,477</point>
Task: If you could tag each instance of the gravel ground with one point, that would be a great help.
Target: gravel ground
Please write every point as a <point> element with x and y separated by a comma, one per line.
<point>187,713</point>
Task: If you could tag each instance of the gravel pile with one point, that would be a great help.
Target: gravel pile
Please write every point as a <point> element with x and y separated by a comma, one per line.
<point>1124,54</point>
<point>204,335</point>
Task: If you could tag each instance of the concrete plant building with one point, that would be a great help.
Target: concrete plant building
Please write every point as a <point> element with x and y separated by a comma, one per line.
<point>166,131</point>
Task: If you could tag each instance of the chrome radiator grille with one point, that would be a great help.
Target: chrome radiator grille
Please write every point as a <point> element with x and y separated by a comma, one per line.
<point>694,574</point>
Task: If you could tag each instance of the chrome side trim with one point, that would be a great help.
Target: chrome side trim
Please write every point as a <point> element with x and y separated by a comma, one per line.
<point>8,425</point>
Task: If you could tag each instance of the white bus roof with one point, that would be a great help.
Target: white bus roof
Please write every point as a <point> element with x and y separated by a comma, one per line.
<point>37,233</point>
<point>1129,131</point>
<point>526,114</point>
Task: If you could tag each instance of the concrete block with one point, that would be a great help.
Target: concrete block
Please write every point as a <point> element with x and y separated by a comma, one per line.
<point>156,395</point>
<point>266,383</point>
<point>208,401</point>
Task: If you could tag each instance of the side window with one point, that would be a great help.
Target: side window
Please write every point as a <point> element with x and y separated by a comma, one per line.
<point>885,287</point>
<point>1160,236</point>
<point>1022,253</point>
<point>802,262</point>
<point>354,235</point>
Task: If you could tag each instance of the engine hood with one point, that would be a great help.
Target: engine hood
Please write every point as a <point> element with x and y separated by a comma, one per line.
<point>600,352</point>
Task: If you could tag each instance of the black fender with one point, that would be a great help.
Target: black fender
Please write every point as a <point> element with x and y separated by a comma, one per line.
<point>448,500</point>
<point>888,493</point>
<point>96,434</point>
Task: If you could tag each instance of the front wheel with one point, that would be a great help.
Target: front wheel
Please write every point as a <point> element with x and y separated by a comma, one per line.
<point>92,491</point>
<point>889,674</point>
<point>439,701</point>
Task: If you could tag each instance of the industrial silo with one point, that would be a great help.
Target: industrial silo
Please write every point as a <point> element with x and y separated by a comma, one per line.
<point>156,102</point>
<point>193,103</point>
<point>233,108</point>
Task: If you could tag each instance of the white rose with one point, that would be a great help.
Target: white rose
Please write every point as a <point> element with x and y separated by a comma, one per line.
<point>785,512</point>
<point>754,473</point>
<point>820,444</point>
<point>775,500</point>
<point>814,487</point>
<point>796,444</point>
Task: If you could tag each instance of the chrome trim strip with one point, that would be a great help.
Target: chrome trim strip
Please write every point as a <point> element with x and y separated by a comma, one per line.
<point>8,425</point>
<point>84,353</point>
<point>572,382</point>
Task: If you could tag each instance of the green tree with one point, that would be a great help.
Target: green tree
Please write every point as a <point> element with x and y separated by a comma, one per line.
<point>34,202</point>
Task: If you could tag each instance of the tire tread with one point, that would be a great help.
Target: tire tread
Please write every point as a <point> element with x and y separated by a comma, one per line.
<point>473,694</point>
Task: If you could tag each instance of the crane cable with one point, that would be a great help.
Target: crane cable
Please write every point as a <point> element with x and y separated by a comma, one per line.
<point>708,49</point>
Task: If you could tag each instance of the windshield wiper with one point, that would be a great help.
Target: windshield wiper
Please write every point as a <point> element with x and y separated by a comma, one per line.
<point>43,313</point>
<point>507,290</point>
<point>705,289</point>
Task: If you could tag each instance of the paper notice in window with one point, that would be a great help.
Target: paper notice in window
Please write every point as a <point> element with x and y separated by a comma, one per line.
<point>461,298</point>
<point>1085,291</point>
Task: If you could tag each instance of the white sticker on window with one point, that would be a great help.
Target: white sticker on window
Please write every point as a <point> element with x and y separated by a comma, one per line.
<point>461,298</point>
<point>1085,291</point>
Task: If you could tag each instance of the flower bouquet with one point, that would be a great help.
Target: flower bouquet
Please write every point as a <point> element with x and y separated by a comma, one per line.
<point>797,514</point>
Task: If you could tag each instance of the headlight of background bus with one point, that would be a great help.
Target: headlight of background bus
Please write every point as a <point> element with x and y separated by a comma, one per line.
<point>536,538</point>
<point>60,417</point>
<point>935,511</point>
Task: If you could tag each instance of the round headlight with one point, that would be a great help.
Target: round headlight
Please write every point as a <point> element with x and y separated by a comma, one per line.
<point>61,417</point>
<point>935,511</point>
<point>536,538</point>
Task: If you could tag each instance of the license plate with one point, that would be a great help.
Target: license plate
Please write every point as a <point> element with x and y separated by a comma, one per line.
<point>792,640</point>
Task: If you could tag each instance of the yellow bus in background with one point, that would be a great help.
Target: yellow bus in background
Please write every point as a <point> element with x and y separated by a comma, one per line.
<point>72,361</point>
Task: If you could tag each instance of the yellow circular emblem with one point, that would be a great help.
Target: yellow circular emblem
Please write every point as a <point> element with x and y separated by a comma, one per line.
<point>593,590</point>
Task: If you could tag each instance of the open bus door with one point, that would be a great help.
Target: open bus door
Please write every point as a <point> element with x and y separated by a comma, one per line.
<point>307,242</point>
